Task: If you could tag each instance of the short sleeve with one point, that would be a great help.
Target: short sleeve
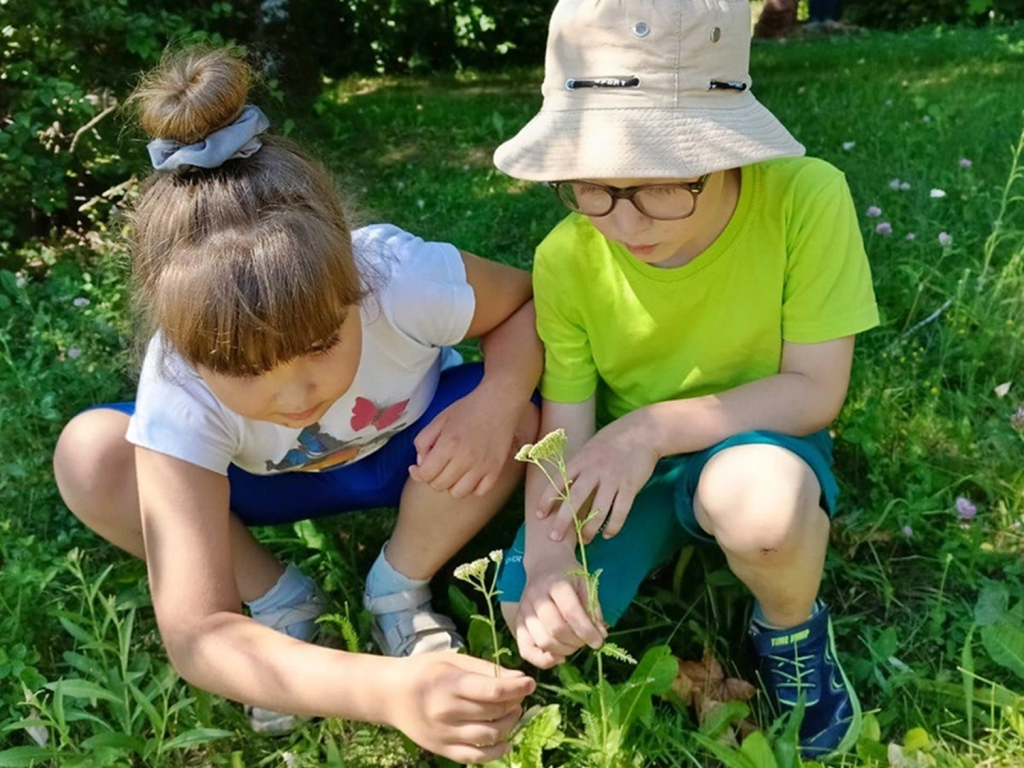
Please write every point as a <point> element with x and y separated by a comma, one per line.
<point>828,291</point>
<point>177,415</point>
<point>426,291</point>
<point>570,374</point>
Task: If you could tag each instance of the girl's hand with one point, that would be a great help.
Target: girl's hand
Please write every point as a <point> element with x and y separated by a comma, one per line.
<point>464,449</point>
<point>552,621</point>
<point>455,706</point>
<point>604,475</point>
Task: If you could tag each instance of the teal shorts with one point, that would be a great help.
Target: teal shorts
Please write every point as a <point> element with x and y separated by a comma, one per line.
<point>662,520</point>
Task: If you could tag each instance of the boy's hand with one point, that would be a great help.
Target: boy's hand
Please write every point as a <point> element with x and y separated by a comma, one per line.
<point>608,472</point>
<point>552,621</point>
<point>464,449</point>
<point>455,706</point>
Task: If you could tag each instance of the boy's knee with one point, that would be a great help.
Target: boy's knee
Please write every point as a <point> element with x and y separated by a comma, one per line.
<point>93,463</point>
<point>757,501</point>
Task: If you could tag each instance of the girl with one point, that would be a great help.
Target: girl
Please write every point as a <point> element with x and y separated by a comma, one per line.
<point>294,370</point>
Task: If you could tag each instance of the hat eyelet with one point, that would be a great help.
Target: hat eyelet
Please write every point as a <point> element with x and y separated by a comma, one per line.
<point>716,34</point>
<point>641,29</point>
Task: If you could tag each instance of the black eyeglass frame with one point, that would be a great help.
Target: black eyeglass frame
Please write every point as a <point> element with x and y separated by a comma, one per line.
<point>629,193</point>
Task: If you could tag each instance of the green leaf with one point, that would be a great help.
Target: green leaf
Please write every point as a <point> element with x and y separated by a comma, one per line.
<point>728,756</point>
<point>787,745</point>
<point>653,676</point>
<point>1005,644</point>
<point>616,652</point>
<point>197,736</point>
<point>722,716</point>
<point>112,740</point>
<point>75,630</point>
<point>993,604</point>
<point>542,730</point>
<point>756,747</point>
<point>916,738</point>
<point>82,689</point>
<point>23,757</point>
<point>870,730</point>
<point>333,756</point>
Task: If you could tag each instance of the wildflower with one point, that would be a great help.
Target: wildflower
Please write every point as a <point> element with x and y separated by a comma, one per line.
<point>81,301</point>
<point>496,555</point>
<point>848,145</point>
<point>904,186</point>
<point>74,353</point>
<point>965,162</point>
<point>1017,419</point>
<point>894,184</point>
<point>911,237</point>
<point>965,508</point>
<point>884,228</point>
<point>945,238</point>
<point>908,531</point>
<point>873,211</point>
<point>549,448</point>
<point>290,759</point>
<point>472,571</point>
<point>937,193</point>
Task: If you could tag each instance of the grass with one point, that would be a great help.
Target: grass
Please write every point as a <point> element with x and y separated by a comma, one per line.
<point>927,605</point>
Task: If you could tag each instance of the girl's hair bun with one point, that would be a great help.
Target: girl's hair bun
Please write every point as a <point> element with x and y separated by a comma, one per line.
<point>192,93</point>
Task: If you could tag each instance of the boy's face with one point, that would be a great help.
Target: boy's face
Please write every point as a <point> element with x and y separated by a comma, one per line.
<point>661,243</point>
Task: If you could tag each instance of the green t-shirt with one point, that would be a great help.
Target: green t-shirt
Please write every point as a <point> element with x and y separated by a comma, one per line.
<point>789,266</point>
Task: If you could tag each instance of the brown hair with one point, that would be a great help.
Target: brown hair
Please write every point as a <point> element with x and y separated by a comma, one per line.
<point>245,266</point>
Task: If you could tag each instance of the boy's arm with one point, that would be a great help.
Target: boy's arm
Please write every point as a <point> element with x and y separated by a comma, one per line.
<point>805,396</point>
<point>464,449</point>
<point>551,619</point>
<point>448,707</point>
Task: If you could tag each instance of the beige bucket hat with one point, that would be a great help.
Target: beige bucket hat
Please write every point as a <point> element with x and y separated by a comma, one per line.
<point>646,89</point>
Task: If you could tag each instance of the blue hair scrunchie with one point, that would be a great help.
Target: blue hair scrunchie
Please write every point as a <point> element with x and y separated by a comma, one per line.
<point>235,141</point>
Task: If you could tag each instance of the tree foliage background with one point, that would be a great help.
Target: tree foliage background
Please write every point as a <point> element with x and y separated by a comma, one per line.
<point>66,67</point>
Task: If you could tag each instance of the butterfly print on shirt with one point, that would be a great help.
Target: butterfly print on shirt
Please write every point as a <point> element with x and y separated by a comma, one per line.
<point>366,412</point>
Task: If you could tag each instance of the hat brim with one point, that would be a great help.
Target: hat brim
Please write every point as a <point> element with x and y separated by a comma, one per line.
<point>639,143</point>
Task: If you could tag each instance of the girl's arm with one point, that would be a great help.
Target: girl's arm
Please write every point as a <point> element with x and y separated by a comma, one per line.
<point>805,396</point>
<point>465,448</point>
<point>446,703</point>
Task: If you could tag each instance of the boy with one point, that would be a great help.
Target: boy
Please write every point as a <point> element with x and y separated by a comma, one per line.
<point>698,310</point>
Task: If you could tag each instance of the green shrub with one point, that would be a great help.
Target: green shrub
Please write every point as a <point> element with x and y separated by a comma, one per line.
<point>66,68</point>
<point>884,14</point>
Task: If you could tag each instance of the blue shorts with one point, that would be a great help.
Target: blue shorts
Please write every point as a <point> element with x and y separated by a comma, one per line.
<point>374,481</point>
<point>662,520</point>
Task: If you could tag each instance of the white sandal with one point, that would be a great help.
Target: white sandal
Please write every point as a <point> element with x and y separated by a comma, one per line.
<point>419,628</point>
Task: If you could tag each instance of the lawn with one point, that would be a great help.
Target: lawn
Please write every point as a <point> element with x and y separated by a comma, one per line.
<point>925,575</point>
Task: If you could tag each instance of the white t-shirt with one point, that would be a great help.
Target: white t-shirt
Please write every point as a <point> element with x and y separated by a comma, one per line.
<point>424,305</point>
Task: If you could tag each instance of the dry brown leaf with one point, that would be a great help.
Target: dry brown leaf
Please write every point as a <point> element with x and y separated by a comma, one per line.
<point>704,686</point>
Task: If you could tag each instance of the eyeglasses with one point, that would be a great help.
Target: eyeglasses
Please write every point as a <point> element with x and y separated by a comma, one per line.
<point>656,201</point>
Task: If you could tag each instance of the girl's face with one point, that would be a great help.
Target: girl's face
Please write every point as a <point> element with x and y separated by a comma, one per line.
<point>297,393</point>
<point>669,243</point>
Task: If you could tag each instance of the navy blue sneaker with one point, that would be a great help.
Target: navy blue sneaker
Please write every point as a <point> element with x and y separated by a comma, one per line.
<point>802,660</point>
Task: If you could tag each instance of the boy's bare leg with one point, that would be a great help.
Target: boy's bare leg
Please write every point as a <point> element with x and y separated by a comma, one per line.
<point>761,503</point>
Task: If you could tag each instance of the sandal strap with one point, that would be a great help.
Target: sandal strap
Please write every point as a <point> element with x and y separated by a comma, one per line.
<point>406,600</point>
<point>421,632</point>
